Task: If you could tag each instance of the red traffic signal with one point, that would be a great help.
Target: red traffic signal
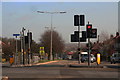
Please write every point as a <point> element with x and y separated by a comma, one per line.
<point>89,26</point>
<point>88,30</point>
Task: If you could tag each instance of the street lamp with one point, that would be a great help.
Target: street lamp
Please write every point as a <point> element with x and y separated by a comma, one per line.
<point>61,12</point>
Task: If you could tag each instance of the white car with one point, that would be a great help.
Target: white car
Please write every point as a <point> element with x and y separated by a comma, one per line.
<point>84,57</point>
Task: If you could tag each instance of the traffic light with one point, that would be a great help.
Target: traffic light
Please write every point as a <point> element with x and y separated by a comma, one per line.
<point>88,29</point>
<point>76,20</point>
<point>82,20</point>
<point>94,33</point>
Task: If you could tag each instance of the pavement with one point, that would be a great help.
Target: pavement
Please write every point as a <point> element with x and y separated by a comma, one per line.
<point>66,63</point>
<point>7,64</point>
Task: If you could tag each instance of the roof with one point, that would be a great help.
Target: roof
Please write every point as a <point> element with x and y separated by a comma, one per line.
<point>2,43</point>
<point>70,53</point>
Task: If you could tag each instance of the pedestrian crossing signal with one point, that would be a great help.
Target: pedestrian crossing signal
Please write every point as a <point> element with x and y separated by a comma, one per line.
<point>94,33</point>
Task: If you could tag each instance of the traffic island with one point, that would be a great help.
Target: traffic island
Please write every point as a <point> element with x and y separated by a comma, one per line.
<point>84,66</point>
<point>43,64</point>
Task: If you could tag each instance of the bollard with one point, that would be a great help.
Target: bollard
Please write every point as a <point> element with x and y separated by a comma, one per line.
<point>98,59</point>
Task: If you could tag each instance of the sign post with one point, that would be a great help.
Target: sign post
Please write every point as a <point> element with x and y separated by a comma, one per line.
<point>16,47</point>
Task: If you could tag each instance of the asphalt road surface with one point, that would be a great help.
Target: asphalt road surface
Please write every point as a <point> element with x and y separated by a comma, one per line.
<point>70,73</point>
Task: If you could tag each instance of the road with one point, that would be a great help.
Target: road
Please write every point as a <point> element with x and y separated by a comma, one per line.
<point>50,73</point>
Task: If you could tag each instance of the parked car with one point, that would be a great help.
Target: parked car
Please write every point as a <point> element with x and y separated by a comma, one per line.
<point>115,58</point>
<point>84,57</point>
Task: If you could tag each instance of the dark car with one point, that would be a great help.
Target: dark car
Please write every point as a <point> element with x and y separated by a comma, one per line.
<point>115,58</point>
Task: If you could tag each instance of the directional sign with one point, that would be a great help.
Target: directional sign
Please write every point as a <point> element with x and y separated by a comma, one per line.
<point>16,34</point>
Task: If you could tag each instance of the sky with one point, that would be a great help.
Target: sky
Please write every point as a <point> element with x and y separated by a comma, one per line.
<point>15,15</point>
<point>119,17</point>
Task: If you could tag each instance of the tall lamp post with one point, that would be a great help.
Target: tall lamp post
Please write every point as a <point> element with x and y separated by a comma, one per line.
<point>61,12</point>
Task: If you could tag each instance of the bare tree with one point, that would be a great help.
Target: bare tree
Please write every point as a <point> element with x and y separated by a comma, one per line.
<point>108,45</point>
<point>8,48</point>
<point>58,43</point>
<point>104,36</point>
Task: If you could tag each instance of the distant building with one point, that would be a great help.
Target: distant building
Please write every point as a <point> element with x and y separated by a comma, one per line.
<point>107,47</point>
<point>117,42</point>
<point>0,47</point>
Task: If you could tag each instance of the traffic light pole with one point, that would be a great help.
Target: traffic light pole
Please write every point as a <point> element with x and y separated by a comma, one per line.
<point>89,50</point>
<point>16,52</point>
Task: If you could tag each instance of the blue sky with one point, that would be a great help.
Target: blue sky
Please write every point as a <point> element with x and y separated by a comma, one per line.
<point>15,15</point>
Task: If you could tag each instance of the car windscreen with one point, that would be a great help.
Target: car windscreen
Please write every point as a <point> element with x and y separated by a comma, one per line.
<point>116,55</point>
<point>84,55</point>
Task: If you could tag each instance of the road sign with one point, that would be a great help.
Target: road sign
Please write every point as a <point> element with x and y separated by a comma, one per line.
<point>16,34</point>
